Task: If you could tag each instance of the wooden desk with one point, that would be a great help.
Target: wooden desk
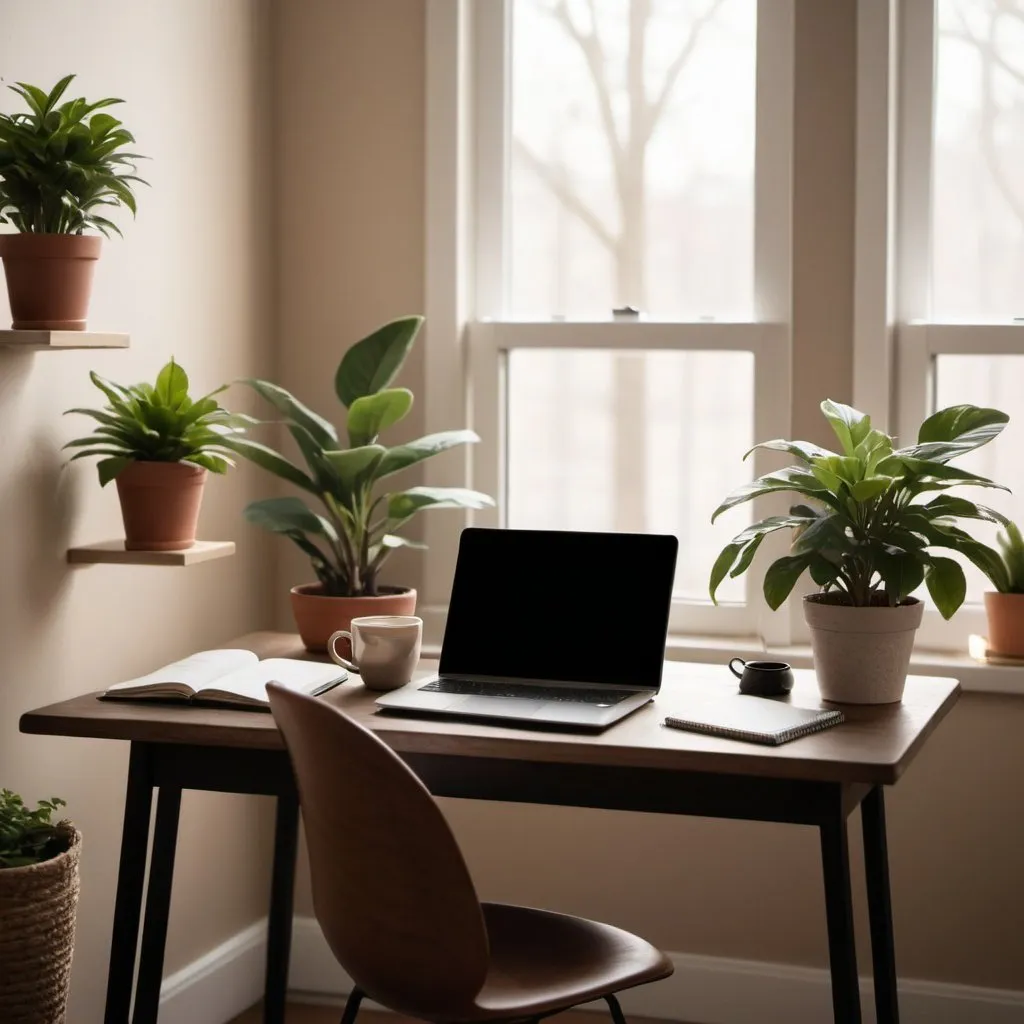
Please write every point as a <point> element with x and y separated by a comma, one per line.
<point>637,765</point>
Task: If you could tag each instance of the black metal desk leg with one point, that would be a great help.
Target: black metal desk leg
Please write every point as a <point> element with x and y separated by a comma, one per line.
<point>876,870</point>
<point>158,905</point>
<point>842,952</point>
<point>279,924</point>
<point>131,873</point>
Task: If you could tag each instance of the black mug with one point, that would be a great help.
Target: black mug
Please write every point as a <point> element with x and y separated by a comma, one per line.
<point>763,678</point>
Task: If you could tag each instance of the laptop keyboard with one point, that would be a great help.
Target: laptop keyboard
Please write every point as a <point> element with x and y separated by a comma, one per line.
<point>600,698</point>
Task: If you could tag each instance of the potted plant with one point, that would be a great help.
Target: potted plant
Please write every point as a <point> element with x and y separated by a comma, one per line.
<point>868,531</point>
<point>157,444</point>
<point>349,538</point>
<point>62,168</point>
<point>38,901</point>
<point>1004,606</point>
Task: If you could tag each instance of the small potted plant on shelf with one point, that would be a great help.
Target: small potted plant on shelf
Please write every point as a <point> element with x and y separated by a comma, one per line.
<point>349,538</point>
<point>38,902</point>
<point>62,169</point>
<point>868,532</point>
<point>1004,606</point>
<point>157,443</point>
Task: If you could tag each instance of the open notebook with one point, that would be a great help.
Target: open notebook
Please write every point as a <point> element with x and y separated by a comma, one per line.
<point>231,677</point>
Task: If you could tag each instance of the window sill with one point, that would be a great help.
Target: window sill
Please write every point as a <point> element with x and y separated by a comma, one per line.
<point>973,676</point>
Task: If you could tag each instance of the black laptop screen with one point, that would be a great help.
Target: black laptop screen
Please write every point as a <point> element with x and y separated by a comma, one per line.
<point>582,607</point>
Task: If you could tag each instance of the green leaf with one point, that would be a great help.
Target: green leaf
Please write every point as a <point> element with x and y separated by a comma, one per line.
<point>320,430</point>
<point>210,460</point>
<point>850,426</point>
<point>352,463</point>
<point>109,468</point>
<point>950,505</point>
<point>287,515</point>
<point>266,458</point>
<point>955,422</point>
<point>372,363</point>
<point>172,384</point>
<point>901,574</point>
<point>747,542</point>
<point>985,558</point>
<point>823,534</point>
<point>870,487</point>
<point>406,503</point>
<point>57,91</point>
<point>369,415</point>
<point>804,450</point>
<point>781,577</point>
<point>946,584</point>
<point>826,477</point>
<point>404,455</point>
<point>947,475</point>
<point>793,478</point>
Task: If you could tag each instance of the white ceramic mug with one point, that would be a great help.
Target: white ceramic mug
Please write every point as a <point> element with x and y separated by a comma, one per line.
<point>385,649</point>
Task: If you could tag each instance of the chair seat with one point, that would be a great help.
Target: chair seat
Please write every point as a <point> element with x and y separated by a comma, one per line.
<point>542,962</point>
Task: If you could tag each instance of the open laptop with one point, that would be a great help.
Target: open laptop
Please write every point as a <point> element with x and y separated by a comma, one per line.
<point>553,627</point>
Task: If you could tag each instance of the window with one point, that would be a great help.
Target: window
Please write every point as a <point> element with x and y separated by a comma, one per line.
<point>626,155</point>
<point>961,332</point>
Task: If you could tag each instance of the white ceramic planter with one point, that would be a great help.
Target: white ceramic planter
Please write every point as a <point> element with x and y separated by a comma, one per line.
<point>861,655</point>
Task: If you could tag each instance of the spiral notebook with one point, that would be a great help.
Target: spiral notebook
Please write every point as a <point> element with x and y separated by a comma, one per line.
<point>754,719</point>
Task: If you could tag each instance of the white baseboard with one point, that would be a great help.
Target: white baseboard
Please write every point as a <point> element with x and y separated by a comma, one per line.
<point>714,990</point>
<point>220,984</point>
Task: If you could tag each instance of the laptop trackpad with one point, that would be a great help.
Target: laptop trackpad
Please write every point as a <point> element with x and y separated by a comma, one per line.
<point>509,707</point>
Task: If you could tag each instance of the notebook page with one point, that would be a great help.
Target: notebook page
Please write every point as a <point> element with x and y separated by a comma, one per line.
<point>251,682</point>
<point>195,671</point>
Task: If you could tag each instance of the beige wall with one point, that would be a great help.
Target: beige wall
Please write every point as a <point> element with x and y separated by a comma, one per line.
<point>349,135</point>
<point>719,888</point>
<point>189,280</point>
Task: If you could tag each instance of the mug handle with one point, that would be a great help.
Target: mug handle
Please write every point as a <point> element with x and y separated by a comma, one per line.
<point>341,634</point>
<point>738,675</point>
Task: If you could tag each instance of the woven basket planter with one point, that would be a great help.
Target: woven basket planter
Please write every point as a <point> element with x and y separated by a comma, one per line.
<point>37,936</point>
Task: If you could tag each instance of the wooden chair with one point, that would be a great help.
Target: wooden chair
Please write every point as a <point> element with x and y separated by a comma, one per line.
<point>397,905</point>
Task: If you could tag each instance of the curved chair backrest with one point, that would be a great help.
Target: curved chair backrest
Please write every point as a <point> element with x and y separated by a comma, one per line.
<point>390,887</point>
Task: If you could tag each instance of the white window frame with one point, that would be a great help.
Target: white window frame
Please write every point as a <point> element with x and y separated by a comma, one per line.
<point>468,342</point>
<point>896,338</point>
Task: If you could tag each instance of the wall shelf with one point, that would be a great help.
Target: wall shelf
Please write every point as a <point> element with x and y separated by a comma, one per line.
<point>112,552</point>
<point>46,340</point>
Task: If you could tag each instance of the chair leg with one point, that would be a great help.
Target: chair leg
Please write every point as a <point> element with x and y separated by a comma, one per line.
<point>352,1006</point>
<point>616,1010</point>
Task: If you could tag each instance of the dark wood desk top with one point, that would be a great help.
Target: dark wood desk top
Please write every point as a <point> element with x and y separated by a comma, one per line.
<point>874,745</point>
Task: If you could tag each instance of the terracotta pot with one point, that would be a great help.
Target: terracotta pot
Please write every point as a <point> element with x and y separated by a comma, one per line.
<point>1005,623</point>
<point>317,617</point>
<point>38,906</point>
<point>160,504</point>
<point>861,655</point>
<point>49,279</point>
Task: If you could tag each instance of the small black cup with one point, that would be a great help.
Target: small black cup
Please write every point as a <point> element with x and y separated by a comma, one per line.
<point>763,678</point>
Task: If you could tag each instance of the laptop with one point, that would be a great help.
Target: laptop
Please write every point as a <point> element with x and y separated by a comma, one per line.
<point>550,627</point>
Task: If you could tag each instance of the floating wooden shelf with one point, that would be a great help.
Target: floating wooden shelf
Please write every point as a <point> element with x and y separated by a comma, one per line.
<point>43,340</point>
<point>113,552</point>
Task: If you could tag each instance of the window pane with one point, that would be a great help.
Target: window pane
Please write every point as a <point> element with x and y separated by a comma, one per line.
<point>978,200</point>
<point>632,441</point>
<point>995,382</point>
<point>632,176</point>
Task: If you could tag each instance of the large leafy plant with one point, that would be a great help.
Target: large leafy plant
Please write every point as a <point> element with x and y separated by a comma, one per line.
<point>62,167</point>
<point>158,423</point>
<point>873,517</point>
<point>27,836</point>
<point>349,539</point>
